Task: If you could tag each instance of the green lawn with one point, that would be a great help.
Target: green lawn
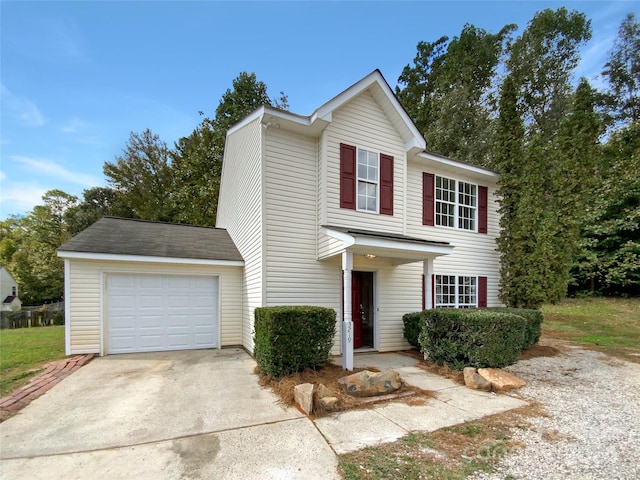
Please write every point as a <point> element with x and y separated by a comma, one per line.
<point>25,351</point>
<point>611,325</point>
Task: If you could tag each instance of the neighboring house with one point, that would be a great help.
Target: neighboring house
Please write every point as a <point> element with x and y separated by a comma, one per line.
<point>342,209</point>
<point>9,292</point>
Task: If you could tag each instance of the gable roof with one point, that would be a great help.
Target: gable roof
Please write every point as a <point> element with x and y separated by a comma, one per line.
<point>123,236</point>
<point>321,117</point>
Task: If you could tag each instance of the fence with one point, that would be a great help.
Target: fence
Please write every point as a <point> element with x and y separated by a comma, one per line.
<point>41,316</point>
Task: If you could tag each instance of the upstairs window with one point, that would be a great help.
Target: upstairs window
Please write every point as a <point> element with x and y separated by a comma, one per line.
<point>453,203</point>
<point>366,180</point>
<point>368,175</point>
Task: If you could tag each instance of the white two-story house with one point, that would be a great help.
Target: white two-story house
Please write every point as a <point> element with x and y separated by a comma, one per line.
<point>343,209</point>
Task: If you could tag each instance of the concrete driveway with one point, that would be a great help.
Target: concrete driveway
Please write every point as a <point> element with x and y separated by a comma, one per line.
<point>178,415</point>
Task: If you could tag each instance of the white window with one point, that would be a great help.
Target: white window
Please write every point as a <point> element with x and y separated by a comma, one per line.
<point>368,180</point>
<point>457,291</point>
<point>456,203</point>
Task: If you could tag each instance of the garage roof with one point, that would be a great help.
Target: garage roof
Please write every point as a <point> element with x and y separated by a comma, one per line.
<point>124,236</point>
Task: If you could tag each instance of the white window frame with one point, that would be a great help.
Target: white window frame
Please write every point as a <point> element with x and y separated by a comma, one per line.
<point>459,192</point>
<point>464,294</point>
<point>367,181</point>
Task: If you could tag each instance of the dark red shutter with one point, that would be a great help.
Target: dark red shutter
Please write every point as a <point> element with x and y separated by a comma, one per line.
<point>428,198</point>
<point>386,184</point>
<point>482,291</point>
<point>347,176</point>
<point>483,199</point>
<point>424,298</point>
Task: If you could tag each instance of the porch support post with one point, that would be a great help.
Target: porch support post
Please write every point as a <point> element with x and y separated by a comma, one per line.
<point>427,270</point>
<point>347,320</point>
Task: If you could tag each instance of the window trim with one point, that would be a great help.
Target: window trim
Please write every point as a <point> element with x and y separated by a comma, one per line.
<point>457,205</point>
<point>367,181</point>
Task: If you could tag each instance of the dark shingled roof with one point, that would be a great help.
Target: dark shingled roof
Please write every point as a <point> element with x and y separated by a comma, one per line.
<point>123,236</point>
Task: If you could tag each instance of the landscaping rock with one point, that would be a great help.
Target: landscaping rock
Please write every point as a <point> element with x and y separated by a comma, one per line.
<point>369,384</point>
<point>501,380</point>
<point>303,395</point>
<point>474,380</point>
<point>327,403</point>
<point>322,391</point>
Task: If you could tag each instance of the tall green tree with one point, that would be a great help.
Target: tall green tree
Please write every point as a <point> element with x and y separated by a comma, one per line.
<point>622,71</point>
<point>96,203</point>
<point>542,61</point>
<point>198,157</point>
<point>448,92</point>
<point>28,248</point>
<point>142,177</point>
<point>609,261</point>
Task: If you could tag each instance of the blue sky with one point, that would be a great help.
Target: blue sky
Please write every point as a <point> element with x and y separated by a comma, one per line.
<point>78,77</point>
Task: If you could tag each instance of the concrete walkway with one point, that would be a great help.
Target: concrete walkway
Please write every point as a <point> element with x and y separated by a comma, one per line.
<point>202,414</point>
<point>453,404</point>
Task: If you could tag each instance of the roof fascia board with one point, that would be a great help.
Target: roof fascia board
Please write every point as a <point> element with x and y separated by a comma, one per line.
<point>356,240</point>
<point>257,113</point>
<point>375,77</point>
<point>147,259</point>
<point>460,165</point>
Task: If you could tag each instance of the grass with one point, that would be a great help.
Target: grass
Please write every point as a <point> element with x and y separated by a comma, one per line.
<point>609,325</point>
<point>25,351</point>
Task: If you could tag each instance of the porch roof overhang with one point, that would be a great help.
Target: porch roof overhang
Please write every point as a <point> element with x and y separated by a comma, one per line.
<point>401,248</point>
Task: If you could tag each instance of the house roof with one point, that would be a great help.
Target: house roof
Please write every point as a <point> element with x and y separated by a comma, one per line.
<point>321,117</point>
<point>9,299</point>
<point>123,236</point>
<point>402,248</point>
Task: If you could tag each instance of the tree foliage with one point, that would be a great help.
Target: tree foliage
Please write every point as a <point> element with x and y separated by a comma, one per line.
<point>448,92</point>
<point>142,177</point>
<point>623,73</point>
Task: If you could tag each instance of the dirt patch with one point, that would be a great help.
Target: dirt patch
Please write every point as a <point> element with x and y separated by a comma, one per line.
<point>539,351</point>
<point>328,376</point>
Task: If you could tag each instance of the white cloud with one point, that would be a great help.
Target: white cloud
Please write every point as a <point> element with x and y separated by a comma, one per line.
<point>2,175</point>
<point>21,109</point>
<point>49,168</point>
<point>20,197</point>
<point>75,125</point>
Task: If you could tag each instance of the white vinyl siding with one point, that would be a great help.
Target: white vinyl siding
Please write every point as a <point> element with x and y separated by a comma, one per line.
<point>295,277</point>
<point>474,253</point>
<point>362,122</point>
<point>87,307</point>
<point>240,212</point>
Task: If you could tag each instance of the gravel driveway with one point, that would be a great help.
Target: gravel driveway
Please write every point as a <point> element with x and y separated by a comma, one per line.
<point>592,430</point>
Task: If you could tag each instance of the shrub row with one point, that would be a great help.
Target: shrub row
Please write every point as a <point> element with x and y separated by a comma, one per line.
<point>288,339</point>
<point>487,337</point>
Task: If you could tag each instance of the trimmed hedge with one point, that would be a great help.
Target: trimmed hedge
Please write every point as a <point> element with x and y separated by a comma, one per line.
<point>412,326</point>
<point>534,320</point>
<point>477,338</point>
<point>288,339</point>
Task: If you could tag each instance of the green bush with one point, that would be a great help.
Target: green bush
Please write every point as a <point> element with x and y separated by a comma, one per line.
<point>288,339</point>
<point>533,326</point>
<point>412,326</point>
<point>58,319</point>
<point>478,338</point>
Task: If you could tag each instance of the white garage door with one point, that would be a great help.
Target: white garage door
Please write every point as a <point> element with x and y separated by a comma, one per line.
<point>149,313</point>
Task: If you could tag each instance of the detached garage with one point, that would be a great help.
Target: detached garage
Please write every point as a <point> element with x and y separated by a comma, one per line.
<point>138,286</point>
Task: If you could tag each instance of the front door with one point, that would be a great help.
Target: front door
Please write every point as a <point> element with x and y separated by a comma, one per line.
<point>362,302</point>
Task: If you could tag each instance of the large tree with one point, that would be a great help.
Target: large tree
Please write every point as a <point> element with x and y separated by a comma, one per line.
<point>622,71</point>
<point>28,248</point>
<point>198,157</point>
<point>448,92</point>
<point>142,177</point>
